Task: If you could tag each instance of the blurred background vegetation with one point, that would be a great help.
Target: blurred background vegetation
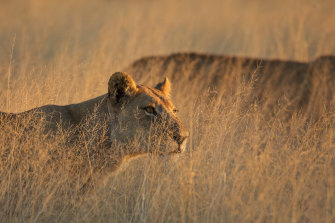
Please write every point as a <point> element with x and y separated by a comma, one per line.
<point>75,40</point>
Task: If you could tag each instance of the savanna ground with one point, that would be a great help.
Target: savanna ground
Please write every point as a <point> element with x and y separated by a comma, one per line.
<point>240,165</point>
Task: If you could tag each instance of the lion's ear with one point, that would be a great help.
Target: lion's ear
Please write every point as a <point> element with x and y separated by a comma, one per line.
<point>121,87</point>
<point>164,86</point>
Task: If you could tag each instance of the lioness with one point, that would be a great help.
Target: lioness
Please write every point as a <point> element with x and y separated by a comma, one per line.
<point>132,113</point>
<point>279,86</point>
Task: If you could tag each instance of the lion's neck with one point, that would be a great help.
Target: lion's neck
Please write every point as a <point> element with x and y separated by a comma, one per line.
<point>96,108</point>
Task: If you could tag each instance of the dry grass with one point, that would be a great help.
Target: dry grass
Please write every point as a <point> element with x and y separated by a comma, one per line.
<point>240,166</point>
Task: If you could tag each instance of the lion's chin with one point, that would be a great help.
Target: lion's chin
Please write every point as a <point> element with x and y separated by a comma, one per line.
<point>169,148</point>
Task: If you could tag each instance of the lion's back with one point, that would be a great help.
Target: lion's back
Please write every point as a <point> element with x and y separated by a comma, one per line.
<point>270,81</point>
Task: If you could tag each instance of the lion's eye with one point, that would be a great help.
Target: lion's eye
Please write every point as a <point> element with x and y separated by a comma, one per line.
<point>149,110</point>
<point>175,110</point>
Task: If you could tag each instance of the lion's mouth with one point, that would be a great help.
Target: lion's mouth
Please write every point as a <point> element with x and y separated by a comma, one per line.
<point>181,147</point>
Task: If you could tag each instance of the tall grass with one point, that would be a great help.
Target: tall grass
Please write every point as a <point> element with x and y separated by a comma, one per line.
<point>241,164</point>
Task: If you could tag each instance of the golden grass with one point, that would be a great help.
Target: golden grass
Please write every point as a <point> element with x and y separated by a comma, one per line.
<point>240,165</point>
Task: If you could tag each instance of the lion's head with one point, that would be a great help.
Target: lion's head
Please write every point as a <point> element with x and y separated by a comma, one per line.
<point>145,115</point>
